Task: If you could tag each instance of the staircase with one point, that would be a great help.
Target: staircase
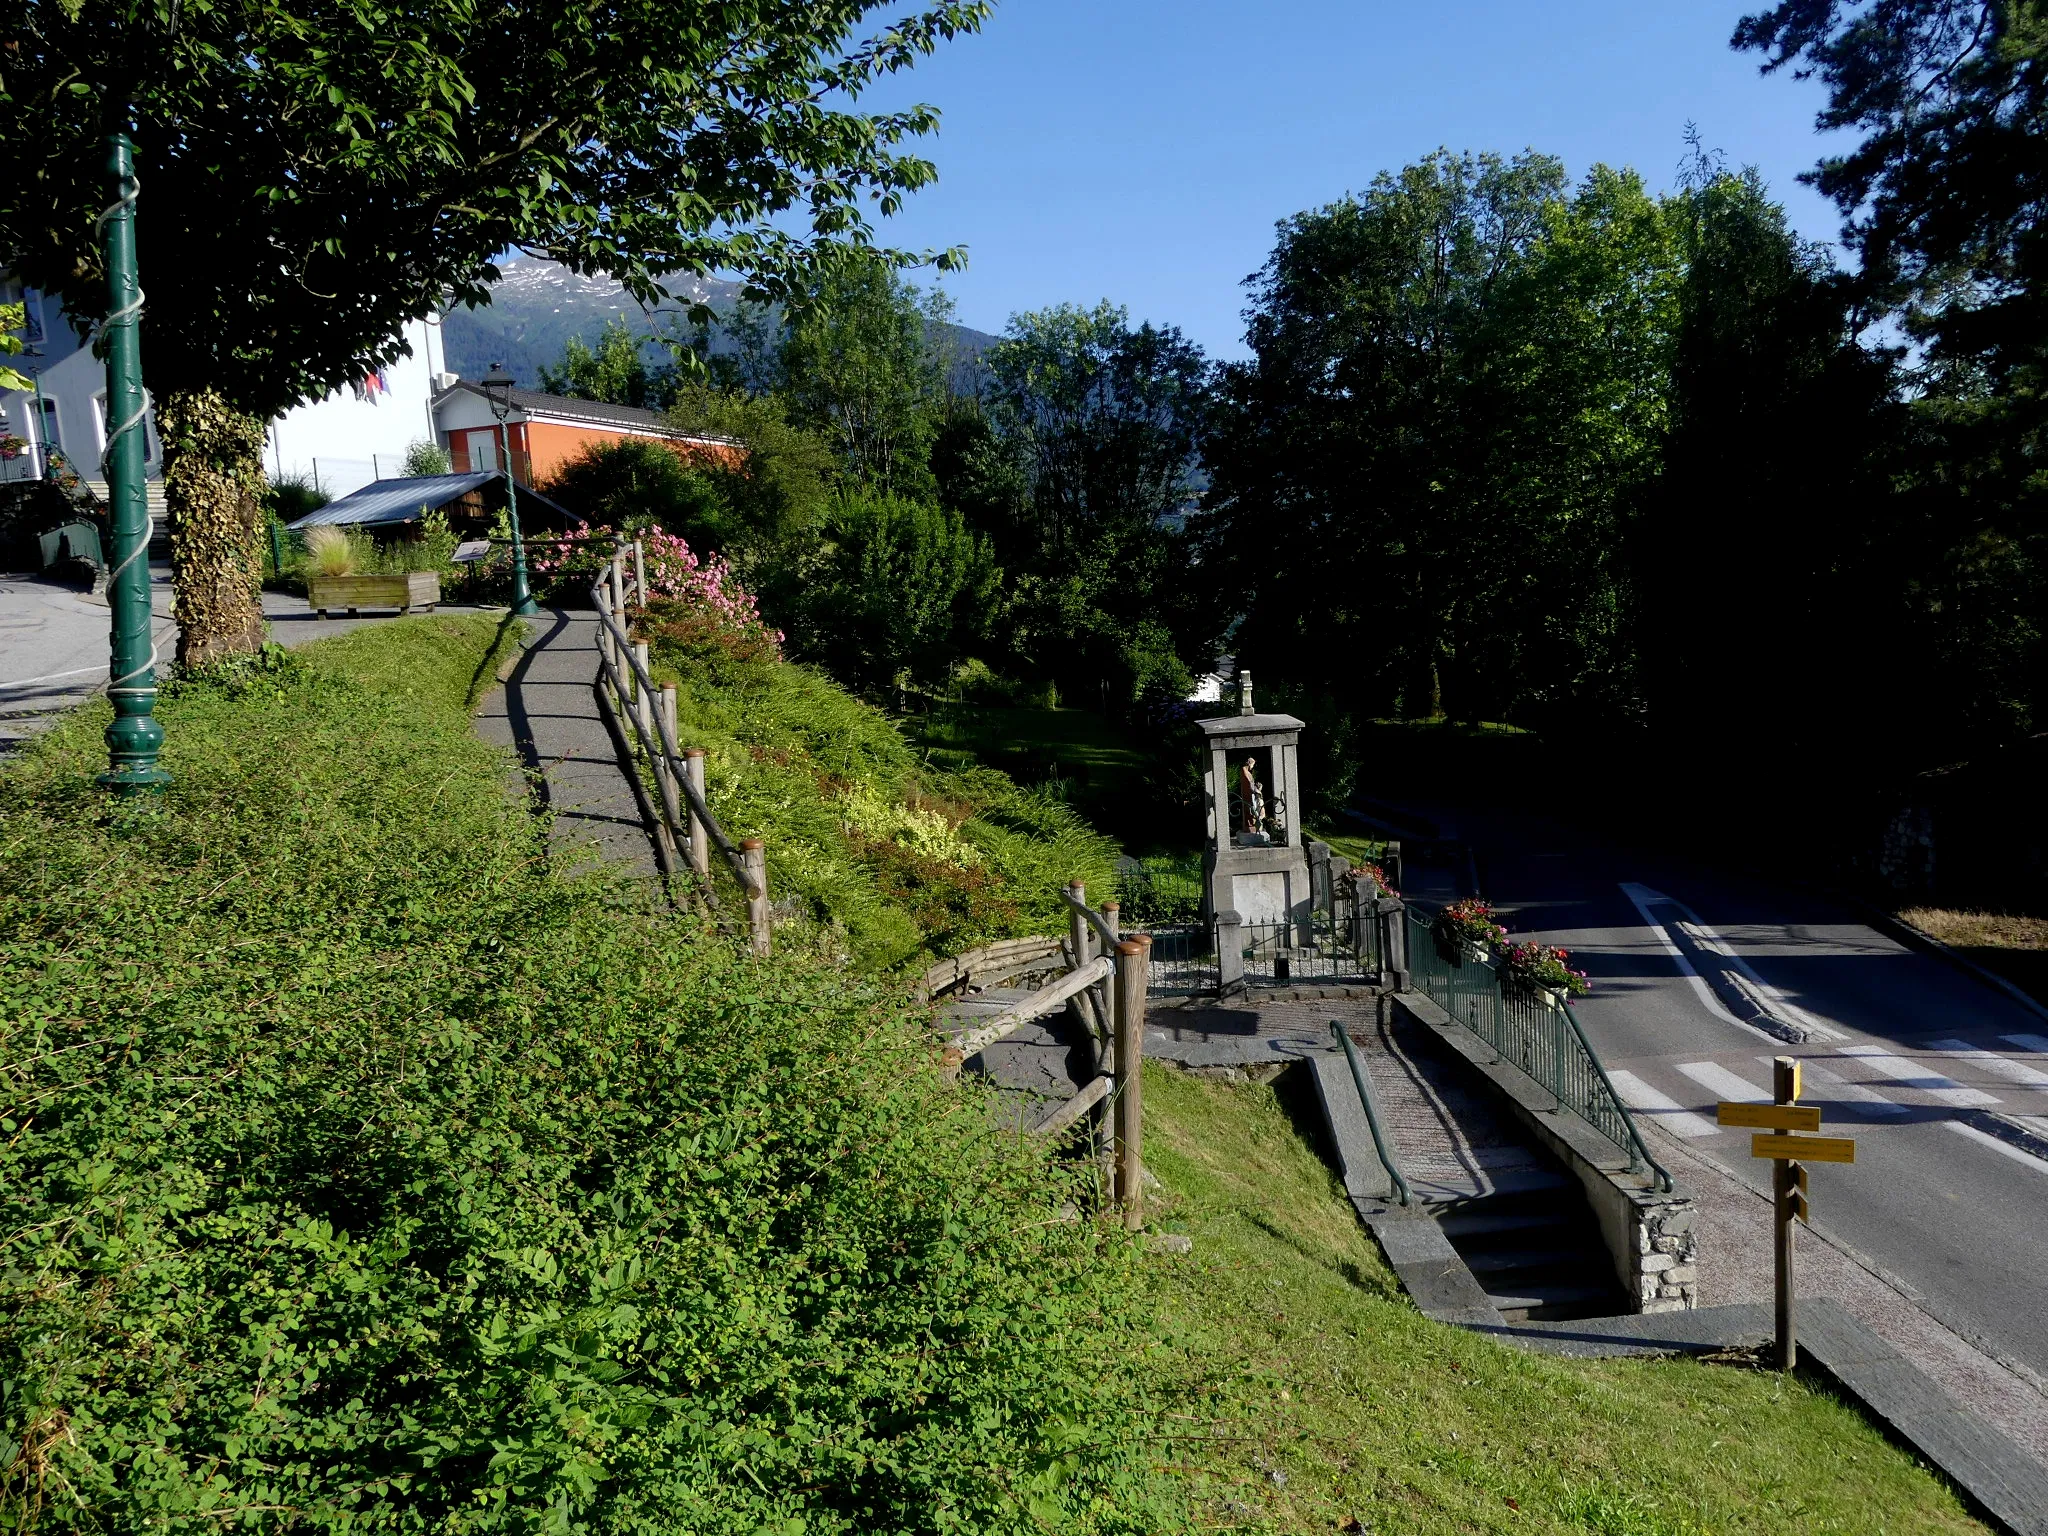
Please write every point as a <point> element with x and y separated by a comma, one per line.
<point>1536,1252</point>
<point>1513,1215</point>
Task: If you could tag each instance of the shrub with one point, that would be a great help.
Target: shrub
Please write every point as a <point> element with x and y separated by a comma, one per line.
<point>424,458</point>
<point>360,1174</point>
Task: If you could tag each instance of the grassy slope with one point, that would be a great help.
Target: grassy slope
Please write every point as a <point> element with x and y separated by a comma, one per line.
<point>353,1165</point>
<point>2010,945</point>
<point>1101,768</point>
<point>905,860</point>
<point>1325,1398</point>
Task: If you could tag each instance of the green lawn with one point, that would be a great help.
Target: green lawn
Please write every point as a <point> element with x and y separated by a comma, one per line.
<point>1315,1398</point>
<point>1104,769</point>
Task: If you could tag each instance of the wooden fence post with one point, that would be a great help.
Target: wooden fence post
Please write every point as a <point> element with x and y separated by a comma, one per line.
<point>640,573</point>
<point>700,839</point>
<point>1080,948</point>
<point>1131,968</point>
<point>755,859</point>
<point>664,765</point>
<point>643,705</point>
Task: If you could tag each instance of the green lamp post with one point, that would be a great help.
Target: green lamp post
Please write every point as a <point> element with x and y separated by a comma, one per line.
<point>135,738</point>
<point>498,390</point>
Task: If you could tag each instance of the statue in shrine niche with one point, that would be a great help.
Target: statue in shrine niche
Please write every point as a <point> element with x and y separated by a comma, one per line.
<point>1251,798</point>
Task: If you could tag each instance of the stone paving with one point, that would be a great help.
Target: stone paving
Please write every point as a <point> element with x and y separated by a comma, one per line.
<point>547,711</point>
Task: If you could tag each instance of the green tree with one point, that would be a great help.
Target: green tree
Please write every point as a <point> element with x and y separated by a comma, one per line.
<point>1340,454</point>
<point>614,371</point>
<point>313,179</point>
<point>1099,421</point>
<point>629,482</point>
<point>863,362</point>
<point>909,592</point>
<point>1945,195</point>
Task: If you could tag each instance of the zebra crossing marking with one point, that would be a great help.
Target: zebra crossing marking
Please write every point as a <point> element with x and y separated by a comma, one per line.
<point>1990,1061</point>
<point>1722,1083</point>
<point>1837,1089</point>
<point>1670,1114</point>
<point>1916,1074</point>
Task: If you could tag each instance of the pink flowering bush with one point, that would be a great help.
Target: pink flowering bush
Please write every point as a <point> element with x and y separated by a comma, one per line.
<point>698,601</point>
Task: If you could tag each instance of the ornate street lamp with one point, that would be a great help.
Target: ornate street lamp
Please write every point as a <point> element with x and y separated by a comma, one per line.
<point>497,386</point>
<point>135,738</point>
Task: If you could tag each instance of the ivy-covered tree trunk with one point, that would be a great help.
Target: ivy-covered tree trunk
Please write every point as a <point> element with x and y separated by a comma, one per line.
<point>213,485</point>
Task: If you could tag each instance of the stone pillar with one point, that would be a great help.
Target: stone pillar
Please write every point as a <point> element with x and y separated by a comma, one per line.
<point>1393,921</point>
<point>1390,865</point>
<point>1229,955</point>
<point>1321,892</point>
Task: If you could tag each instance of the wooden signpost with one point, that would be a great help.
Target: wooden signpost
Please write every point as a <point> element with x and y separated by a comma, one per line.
<point>1778,1124</point>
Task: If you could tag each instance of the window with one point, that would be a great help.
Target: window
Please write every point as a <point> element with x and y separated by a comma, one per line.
<point>483,450</point>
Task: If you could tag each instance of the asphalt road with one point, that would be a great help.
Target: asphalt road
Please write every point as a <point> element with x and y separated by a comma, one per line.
<point>1919,1053</point>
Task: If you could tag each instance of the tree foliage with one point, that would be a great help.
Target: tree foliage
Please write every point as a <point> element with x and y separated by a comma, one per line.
<point>864,364</point>
<point>615,370</point>
<point>314,178</point>
<point>1947,192</point>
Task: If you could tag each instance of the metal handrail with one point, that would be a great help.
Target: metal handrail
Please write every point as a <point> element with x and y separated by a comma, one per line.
<point>1663,1179</point>
<point>1361,1081</point>
<point>664,744</point>
<point>1542,1060</point>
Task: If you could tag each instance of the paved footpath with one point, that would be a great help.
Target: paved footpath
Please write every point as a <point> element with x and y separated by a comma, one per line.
<point>548,712</point>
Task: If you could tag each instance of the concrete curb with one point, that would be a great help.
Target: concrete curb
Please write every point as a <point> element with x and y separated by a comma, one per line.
<point>1916,938</point>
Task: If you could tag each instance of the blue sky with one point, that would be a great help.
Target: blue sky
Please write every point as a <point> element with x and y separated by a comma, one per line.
<point>1142,150</point>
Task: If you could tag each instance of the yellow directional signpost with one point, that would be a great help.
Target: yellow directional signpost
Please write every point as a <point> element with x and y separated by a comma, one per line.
<point>1779,1124</point>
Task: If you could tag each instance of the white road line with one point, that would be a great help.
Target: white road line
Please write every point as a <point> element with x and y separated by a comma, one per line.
<point>1990,1061</point>
<point>1835,1089</point>
<point>1718,1080</point>
<point>1670,1114</point>
<point>1742,976</point>
<point>1640,896</point>
<point>1914,1074</point>
<point>2035,1043</point>
<point>1996,1145</point>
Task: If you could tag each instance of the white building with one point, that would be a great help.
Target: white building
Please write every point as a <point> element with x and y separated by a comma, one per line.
<point>67,411</point>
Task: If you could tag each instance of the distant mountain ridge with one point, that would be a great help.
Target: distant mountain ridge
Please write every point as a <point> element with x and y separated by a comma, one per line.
<point>538,305</point>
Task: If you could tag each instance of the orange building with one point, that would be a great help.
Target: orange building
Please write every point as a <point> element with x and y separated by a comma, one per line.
<point>547,431</point>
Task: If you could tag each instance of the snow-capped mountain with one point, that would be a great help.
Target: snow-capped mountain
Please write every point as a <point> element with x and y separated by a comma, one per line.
<point>537,305</point>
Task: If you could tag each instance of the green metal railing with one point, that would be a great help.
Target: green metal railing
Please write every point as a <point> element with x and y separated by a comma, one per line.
<point>1543,1039</point>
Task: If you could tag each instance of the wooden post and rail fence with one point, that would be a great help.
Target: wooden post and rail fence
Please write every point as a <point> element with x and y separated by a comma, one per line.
<point>686,833</point>
<point>1102,985</point>
<point>1105,973</point>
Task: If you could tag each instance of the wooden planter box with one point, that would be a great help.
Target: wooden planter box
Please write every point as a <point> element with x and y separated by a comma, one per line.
<point>416,589</point>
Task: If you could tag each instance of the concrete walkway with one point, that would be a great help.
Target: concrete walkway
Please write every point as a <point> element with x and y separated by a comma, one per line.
<point>547,712</point>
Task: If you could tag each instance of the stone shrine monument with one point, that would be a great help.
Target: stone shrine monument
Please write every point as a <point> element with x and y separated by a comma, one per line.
<point>1255,864</point>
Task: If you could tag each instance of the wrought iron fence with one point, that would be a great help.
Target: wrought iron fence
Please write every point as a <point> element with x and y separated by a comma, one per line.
<point>1541,1037</point>
<point>1161,890</point>
<point>1183,960</point>
<point>1282,954</point>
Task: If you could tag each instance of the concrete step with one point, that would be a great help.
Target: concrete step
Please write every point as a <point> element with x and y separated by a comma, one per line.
<point>1524,1261</point>
<point>1483,1221</point>
<point>1537,1302</point>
